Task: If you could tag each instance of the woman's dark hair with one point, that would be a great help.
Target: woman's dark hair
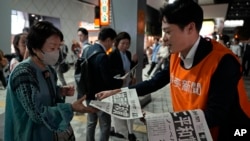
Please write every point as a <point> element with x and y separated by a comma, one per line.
<point>38,34</point>
<point>120,36</point>
<point>15,44</point>
<point>182,12</point>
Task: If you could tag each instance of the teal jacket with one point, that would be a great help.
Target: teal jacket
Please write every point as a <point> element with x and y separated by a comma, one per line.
<point>29,114</point>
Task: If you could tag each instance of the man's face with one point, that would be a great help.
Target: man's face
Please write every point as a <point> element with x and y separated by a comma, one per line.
<point>176,39</point>
<point>82,37</point>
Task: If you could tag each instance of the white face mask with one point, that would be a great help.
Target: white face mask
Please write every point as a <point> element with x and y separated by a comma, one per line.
<point>50,58</point>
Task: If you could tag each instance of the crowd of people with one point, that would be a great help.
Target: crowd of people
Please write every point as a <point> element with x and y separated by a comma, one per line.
<point>181,55</point>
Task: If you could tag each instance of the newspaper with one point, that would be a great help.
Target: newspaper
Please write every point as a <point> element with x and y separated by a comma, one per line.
<point>118,76</point>
<point>124,105</point>
<point>179,126</point>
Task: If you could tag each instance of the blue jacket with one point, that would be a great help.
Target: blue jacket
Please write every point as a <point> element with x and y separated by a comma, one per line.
<point>155,52</point>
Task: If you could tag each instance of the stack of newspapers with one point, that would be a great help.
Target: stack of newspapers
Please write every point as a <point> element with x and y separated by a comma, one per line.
<point>171,126</point>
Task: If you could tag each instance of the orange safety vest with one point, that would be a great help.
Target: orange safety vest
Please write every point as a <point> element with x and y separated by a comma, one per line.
<point>189,88</point>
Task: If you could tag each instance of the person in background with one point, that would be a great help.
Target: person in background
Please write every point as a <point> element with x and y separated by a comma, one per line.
<point>101,79</point>
<point>235,47</point>
<point>246,58</point>
<point>202,73</point>
<point>35,108</point>
<point>162,56</point>
<point>62,59</point>
<point>83,35</point>
<point>121,63</point>
<point>3,68</point>
<point>76,49</point>
<point>19,44</point>
<point>26,30</point>
<point>224,40</point>
<point>154,60</point>
<point>148,51</point>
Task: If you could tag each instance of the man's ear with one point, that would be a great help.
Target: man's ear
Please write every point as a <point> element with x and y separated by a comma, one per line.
<point>191,27</point>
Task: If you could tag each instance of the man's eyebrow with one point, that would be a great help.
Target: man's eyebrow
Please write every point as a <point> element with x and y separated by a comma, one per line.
<point>165,28</point>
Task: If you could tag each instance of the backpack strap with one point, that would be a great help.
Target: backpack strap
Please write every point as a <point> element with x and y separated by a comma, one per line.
<point>92,54</point>
<point>85,46</point>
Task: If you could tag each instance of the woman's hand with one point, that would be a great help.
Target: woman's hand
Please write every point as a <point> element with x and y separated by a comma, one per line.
<point>67,90</point>
<point>103,94</point>
<point>78,106</point>
<point>135,58</point>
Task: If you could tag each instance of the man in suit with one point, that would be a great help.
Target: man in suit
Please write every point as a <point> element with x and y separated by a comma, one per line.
<point>202,73</point>
<point>102,79</point>
<point>83,35</point>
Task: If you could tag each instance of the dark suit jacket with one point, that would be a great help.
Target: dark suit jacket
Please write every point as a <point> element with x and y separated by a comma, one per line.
<point>117,64</point>
<point>223,107</point>
<point>101,70</point>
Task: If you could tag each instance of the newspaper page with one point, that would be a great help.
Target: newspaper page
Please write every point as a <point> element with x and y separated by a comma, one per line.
<point>124,105</point>
<point>178,126</point>
<point>126,75</point>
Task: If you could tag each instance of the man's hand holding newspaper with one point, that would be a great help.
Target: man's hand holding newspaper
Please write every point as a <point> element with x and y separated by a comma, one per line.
<point>104,94</point>
<point>123,105</point>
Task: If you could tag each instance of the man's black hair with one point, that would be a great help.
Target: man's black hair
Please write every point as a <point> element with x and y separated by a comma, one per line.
<point>83,30</point>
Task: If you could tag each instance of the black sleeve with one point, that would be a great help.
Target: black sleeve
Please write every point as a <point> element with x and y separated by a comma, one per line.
<point>106,73</point>
<point>115,64</point>
<point>223,95</point>
<point>161,79</point>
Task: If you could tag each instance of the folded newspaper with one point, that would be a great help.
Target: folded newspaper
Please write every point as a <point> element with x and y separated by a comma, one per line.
<point>124,105</point>
<point>178,126</point>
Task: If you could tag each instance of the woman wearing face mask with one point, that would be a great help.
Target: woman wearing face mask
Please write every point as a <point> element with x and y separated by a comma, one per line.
<point>35,107</point>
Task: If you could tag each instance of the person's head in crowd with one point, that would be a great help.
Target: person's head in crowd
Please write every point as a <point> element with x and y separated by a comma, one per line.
<point>181,23</point>
<point>26,30</point>
<point>236,41</point>
<point>156,40</point>
<point>225,39</point>
<point>43,42</point>
<point>82,34</point>
<point>19,44</point>
<point>106,37</point>
<point>122,41</point>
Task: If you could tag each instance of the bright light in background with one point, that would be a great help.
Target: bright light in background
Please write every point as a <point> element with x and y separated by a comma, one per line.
<point>171,1</point>
<point>207,28</point>
<point>233,23</point>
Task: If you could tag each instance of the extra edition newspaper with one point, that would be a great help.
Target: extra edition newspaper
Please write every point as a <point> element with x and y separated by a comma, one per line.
<point>124,105</point>
<point>179,126</point>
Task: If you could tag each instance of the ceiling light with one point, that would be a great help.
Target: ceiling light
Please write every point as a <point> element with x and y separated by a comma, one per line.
<point>233,23</point>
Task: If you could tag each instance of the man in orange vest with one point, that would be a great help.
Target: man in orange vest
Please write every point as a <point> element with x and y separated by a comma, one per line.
<point>202,73</point>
